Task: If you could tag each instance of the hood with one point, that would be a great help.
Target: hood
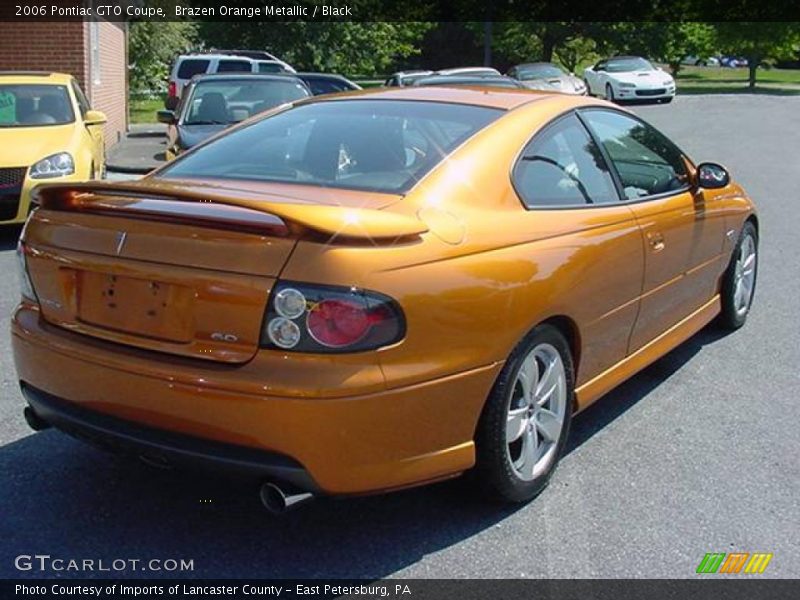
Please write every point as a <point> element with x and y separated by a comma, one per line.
<point>191,135</point>
<point>23,146</point>
<point>642,77</point>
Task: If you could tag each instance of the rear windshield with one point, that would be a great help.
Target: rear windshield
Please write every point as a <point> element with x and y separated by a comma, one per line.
<point>378,145</point>
<point>191,67</point>
<point>230,101</point>
<point>34,105</point>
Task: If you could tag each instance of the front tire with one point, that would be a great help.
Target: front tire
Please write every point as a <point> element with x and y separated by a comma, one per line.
<point>610,93</point>
<point>739,280</point>
<point>526,420</point>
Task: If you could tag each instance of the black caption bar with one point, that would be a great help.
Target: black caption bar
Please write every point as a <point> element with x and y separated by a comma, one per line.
<point>407,10</point>
<point>430,589</point>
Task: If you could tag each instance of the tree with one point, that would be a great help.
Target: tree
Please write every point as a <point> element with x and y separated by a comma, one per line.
<point>152,46</point>
<point>575,52</point>
<point>525,40</point>
<point>354,48</point>
<point>759,41</point>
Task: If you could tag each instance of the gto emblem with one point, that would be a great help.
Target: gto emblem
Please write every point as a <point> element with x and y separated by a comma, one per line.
<point>224,337</point>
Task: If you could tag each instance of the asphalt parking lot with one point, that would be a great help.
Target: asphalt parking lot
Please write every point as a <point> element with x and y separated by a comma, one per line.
<point>698,453</point>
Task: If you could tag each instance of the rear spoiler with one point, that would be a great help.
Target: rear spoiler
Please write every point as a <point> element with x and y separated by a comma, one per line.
<point>169,202</point>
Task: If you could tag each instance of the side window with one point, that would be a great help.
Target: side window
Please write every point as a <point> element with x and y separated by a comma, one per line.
<point>83,103</point>
<point>562,166</point>
<point>647,162</point>
<point>191,67</point>
<point>234,66</point>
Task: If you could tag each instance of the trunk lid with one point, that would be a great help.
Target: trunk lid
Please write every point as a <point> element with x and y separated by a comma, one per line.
<point>181,270</point>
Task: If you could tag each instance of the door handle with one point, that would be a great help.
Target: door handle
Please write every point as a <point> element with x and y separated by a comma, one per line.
<point>656,241</point>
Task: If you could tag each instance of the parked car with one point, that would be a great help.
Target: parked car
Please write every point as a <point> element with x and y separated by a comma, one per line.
<point>48,132</point>
<point>471,80</point>
<point>709,61</point>
<point>213,102</point>
<point>364,294</point>
<point>533,74</point>
<point>405,78</point>
<point>469,72</point>
<point>629,78</point>
<point>327,83</point>
<point>733,62</point>
<point>187,66</point>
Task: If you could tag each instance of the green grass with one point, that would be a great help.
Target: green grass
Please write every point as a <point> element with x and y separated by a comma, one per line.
<point>718,80</point>
<point>144,110</point>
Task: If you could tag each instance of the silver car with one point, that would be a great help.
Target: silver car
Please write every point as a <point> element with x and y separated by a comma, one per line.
<point>534,75</point>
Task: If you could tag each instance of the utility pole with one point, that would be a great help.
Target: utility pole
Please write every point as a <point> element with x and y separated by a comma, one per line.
<point>487,43</point>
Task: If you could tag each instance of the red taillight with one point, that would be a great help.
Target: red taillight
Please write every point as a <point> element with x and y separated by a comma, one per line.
<point>172,90</point>
<point>339,323</point>
<point>309,318</point>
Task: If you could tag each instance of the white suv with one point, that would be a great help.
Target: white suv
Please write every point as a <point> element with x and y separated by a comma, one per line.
<point>187,66</point>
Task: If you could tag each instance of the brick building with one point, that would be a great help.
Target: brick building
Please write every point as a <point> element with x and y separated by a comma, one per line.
<point>94,52</point>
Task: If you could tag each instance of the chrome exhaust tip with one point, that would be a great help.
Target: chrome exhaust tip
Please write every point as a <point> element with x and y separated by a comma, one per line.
<point>34,421</point>
<point>279,501</point>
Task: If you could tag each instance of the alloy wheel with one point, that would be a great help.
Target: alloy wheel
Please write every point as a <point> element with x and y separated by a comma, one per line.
<point>536,412</point>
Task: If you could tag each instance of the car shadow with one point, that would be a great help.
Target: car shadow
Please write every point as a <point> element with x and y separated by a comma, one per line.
<point>68,500</point>
<point>9,236</point>
<point>617,402</point>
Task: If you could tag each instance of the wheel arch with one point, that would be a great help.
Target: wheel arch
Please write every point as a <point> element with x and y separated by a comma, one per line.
<point>569,329</point>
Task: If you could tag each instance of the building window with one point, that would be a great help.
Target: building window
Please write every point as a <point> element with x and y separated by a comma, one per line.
<point>94,60</point>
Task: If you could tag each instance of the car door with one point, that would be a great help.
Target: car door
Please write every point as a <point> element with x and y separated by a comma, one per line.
<point>594,78</point>
<point>682,236</point>
<point>94,133</point>
<point>566,184</point>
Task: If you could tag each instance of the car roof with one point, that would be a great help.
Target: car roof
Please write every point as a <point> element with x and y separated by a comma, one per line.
<point>320,75</point>
<point>541,63</point>
<point>625,57</point>
<point>36,77</point>
<point>245,75</point>
<point>500,98</point>
<point>504,81</point>
<point>210,55</point>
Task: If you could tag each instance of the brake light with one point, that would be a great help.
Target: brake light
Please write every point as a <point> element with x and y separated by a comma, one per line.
<point>311,318</point>
<point>172,90</point>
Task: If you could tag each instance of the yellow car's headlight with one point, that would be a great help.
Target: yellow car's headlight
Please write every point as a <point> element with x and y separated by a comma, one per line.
<point>55,165</point>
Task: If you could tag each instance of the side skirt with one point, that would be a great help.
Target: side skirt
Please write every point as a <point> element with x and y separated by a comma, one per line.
<point>590,391</point>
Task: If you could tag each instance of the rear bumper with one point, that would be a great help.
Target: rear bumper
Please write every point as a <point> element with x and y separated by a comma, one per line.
<point>364,442</point>
<point>162,448</point>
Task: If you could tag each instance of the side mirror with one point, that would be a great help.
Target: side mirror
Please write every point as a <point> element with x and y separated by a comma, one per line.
<point>171,103</point>
<point>712,176</point>
<point>165,116</point>
<point>94,117</point>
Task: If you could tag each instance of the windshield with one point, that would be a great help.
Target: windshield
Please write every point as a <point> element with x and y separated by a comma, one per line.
<point>625,65</point>
<point>377,145</point>
<point>231,101</point>
<point>539,72</point>
<point>34,105</point>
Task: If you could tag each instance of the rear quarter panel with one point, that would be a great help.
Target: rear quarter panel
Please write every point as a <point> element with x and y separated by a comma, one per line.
<point>489,270</point>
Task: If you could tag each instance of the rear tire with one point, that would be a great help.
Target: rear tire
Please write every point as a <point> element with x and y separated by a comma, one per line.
<point>526,419</point>
<point>739,281</point>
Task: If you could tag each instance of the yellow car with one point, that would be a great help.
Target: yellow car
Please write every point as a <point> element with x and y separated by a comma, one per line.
<point>48,133</point>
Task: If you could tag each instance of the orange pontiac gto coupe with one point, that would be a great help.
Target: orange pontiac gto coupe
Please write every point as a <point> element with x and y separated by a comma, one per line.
<point>370,291</point>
